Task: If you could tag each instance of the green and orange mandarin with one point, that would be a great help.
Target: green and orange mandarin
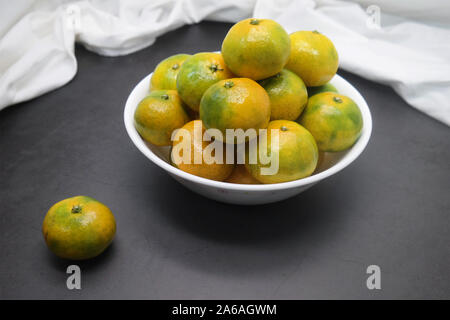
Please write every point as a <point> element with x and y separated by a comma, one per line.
<point>165,75</point>
<point>256,48</point>
<point>240,175</point>
<point>296,152</point>
<point>328,87</point>
<point>197,74</point>
<point>287,93</point>
<point>213,171</point>
<point>334,120</point>
<point>78,228</point>
<point>158,115</point>
<point>237,103</point>
<point>313,57</point>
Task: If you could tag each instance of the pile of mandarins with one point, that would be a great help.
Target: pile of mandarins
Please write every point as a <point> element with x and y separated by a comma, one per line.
<point>263,78</point>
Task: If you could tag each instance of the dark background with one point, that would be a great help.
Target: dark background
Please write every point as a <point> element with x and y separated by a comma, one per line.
<point>390,207</point>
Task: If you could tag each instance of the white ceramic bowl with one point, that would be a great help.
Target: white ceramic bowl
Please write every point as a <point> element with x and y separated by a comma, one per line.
<point>242,193</point>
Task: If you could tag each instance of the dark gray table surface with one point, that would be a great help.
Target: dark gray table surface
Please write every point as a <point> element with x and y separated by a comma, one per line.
<point>391,207</point>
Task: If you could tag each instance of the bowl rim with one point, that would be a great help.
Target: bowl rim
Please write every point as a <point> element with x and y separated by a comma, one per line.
<point>348,158</point>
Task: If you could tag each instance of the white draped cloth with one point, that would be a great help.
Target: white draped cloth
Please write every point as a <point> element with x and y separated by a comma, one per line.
<point>402,43</point>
